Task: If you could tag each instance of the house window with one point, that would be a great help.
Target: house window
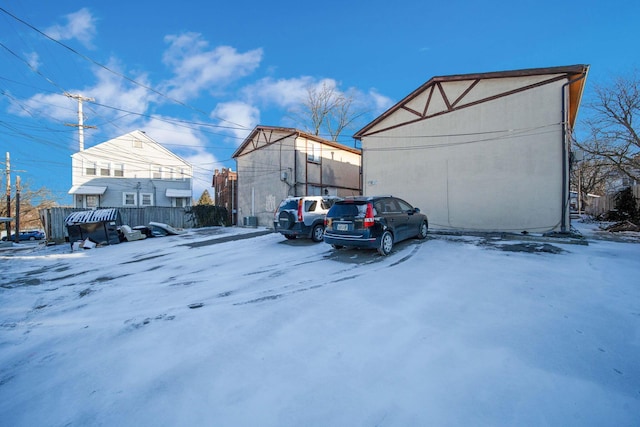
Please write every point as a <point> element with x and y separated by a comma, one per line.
<point>313,152</point>
<point>105,169</point>
<point>137,143</point>
<point>157,172</point>
<point>146,199</point>
<point>91,201</point>
<point>129,199</point>
<point>183,174</point>
<point>180,202</point>
<point>118,170</point>
<point>171,174</point>
<point>90,168</point>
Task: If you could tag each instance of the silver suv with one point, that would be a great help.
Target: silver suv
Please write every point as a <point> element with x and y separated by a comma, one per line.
<point>303,216</point>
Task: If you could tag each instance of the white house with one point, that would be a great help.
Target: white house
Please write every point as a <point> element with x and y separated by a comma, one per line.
<point>275,162</point>
<point>131,170</point>
<point>484,152</point>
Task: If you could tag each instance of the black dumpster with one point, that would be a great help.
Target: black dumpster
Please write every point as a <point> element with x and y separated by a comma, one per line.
<point>99,226</point>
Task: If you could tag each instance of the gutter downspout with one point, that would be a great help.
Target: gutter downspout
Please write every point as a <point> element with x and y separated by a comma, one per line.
<point>565,148</point>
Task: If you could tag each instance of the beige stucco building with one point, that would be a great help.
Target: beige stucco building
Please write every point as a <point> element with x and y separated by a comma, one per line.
<point>484,152</point>
<point>274,163</point>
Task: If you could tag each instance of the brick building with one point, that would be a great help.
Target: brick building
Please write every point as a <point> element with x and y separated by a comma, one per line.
<point>225,184</point>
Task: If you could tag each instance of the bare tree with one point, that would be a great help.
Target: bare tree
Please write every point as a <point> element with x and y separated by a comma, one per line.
<point>31,201</point>
<point>613,134</point>
<point>327,109</point>
<point>588,177</point>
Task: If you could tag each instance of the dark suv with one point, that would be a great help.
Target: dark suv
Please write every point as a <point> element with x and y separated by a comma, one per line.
<point>373,222</point>
<point>303,216</point>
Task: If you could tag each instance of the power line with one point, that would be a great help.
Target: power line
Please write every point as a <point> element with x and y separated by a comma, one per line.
<point>121,75</point>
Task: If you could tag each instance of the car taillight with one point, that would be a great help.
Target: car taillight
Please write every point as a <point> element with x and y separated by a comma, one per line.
<point>327,222</point>
<point>368,218</point>
<point>300,203</point>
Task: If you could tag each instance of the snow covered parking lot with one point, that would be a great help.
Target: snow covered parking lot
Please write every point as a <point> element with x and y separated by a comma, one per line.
<point>451,331</point>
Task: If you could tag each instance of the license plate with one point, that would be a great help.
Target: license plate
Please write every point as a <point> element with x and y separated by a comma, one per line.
<point>342,227</point>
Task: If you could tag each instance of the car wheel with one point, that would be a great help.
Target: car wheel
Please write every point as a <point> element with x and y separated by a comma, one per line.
<point>317,234</point>
<point>422,232</point>
<point>32,238</point>
<point>386,243</point>
<point>290,236</point>
<point>286,220</point>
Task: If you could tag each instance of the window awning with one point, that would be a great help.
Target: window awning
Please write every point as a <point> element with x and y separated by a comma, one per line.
<point>171,192</point>
<point>87,190</point>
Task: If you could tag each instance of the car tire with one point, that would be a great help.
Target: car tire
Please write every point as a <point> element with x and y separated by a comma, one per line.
<point>32,238</point>
<point>317,234</point>
<point>386,243</point>
<point>422,231</point>
<point>287,219</point>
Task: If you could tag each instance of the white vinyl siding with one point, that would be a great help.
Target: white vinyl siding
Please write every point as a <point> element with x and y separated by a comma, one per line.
<point>90,168</point>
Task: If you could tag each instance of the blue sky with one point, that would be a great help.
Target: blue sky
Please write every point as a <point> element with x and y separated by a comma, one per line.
<point>197,76</point>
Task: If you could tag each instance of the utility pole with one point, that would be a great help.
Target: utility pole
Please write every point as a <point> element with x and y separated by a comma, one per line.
<point>81,126</point>
<point>8,197</point>
<point>17,239</point>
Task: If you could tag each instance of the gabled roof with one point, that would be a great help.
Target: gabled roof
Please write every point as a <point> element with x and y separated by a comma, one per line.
<point>134,135</point>
<point>573,73</point>
<point>275,133</point>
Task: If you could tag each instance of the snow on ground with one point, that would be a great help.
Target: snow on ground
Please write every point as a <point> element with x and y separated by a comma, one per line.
<point>450,331</point>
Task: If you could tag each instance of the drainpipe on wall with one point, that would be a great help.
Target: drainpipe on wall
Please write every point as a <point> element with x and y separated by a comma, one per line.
<point>138,187</point>
<point>565,148</point>
<point>155,197</point>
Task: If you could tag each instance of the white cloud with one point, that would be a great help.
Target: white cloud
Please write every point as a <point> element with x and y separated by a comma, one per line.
<point>282,92</point>
<point>197,67</point>
<point>291,94</point>
<point>187,143</point>
<point>120,94</point>
<point>52,106</point>
<point>80,25</point>
<point>380,102</point>
<point>239,116</point>
<point>33,59</point>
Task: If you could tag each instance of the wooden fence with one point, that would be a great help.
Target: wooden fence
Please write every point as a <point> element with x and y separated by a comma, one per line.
<point>54,226</point>
<point>603,204</point>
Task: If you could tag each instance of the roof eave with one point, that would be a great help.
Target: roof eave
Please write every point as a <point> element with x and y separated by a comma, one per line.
<point>572,70</point>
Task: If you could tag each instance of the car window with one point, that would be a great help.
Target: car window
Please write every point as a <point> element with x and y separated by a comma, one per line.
<point>404,206</point>
<point>348,210</point>
<point>327,203</point>
<point>388,206</point>
<point>288,204</point>
<point>310,205</point>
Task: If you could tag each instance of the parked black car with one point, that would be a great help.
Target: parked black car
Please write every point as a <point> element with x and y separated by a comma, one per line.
<point>373,222</point>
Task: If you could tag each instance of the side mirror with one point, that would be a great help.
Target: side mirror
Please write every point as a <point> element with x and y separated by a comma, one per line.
<point>416,210</point>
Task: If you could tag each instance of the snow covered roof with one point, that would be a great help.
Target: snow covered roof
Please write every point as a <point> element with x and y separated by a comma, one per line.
<point>97,215</point>
<point>87,189</point>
